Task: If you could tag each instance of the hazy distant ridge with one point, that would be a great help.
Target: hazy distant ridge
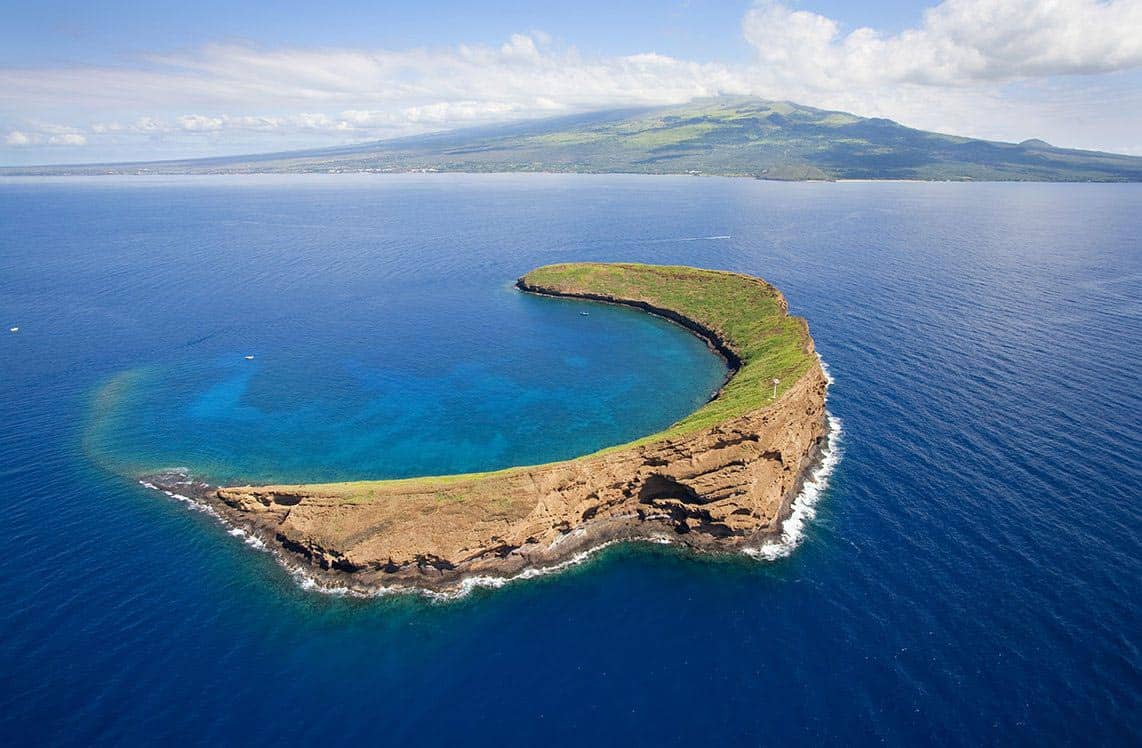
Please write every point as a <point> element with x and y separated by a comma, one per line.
<point>722,136</point>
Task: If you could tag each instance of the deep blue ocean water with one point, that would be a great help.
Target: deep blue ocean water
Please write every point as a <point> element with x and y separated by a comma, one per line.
<point>972,574</point>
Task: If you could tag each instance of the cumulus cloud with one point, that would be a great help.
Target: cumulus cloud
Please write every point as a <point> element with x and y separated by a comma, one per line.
<point>200,123</point>
<point>45,135</point>
<point>1004,69</point>
<point>990,68</point>
<point>522,77</point>
<point>960,42</point>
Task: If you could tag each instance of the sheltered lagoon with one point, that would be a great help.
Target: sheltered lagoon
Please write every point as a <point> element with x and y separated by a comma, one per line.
<point>722,478</point>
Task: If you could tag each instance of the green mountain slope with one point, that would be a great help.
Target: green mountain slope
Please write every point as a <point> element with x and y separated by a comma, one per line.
<point>723,136</point>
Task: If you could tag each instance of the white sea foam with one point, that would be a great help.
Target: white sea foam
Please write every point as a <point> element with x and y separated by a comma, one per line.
<point>463,588</point>
<point>198,506</point>
<point>248,538</point>
<point>803,510</point>
<point>190,503</point>
<point>470,584</point>
<point>804,507</point>
<point>309,583</point>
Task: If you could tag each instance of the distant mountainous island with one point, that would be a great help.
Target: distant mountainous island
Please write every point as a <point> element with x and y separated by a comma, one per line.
<point>726,136</point>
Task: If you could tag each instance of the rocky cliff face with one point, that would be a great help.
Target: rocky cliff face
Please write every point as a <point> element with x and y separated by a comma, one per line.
<point>721,488</point>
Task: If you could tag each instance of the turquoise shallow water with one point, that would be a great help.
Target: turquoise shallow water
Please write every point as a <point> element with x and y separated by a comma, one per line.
<point>507,379</point>
<point>970,577</point>
<point>374,356</point>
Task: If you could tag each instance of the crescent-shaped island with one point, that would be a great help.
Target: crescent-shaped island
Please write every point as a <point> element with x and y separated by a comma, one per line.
<point>721,479</point>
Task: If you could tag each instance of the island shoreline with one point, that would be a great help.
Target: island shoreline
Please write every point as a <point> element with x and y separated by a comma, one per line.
<point>201,496</point>
<point>257,516</point>
<point>711,338</point>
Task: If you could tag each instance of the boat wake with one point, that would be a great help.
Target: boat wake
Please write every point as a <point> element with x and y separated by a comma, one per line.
<point>718,238</point>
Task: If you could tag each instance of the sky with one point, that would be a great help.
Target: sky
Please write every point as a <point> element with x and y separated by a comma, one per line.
<point>117,80</point>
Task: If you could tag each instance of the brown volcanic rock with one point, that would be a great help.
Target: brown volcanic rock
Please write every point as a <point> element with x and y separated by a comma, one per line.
<point>717,488</point>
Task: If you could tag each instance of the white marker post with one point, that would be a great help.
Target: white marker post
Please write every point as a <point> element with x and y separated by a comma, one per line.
<point>775,383</point>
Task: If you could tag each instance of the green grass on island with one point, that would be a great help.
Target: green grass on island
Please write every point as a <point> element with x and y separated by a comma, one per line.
<point>725,136</point>
<point>747,314</point>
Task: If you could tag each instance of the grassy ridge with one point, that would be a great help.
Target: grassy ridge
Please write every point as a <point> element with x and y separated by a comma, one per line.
<point>728,136</point>
<point>747,314</point>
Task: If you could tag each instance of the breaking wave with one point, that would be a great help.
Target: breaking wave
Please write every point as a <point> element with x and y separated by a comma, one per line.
<point>804,507</point>
<point>803,510</point>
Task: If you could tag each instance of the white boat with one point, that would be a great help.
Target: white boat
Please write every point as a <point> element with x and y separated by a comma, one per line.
<point>249,358</point>
<point>13,329</point>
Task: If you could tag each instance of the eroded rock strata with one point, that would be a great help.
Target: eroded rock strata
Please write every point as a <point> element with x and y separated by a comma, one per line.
<point>717,488</point>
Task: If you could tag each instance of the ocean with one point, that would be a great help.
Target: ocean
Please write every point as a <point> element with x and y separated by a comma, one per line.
<point>970,574</point>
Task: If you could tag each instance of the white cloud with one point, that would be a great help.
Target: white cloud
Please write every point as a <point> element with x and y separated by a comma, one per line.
<point>1003,69</point>
<point>991,68</point>
<point>520,48</point>
<point>148,124</point>
<point>200,123</point>
<point>521,76</point>
<point>960,42</point>
<point>45,135</point>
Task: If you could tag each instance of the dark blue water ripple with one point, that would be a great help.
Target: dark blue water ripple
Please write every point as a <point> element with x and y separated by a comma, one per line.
<point>971,576</point>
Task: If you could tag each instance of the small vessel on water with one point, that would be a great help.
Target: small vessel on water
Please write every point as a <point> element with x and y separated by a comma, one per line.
<point>584,314</point>
<point>250,357</point>
<point>13,329</point>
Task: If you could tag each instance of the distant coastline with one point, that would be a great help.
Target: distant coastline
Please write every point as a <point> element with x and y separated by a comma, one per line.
<point>720,136</point>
